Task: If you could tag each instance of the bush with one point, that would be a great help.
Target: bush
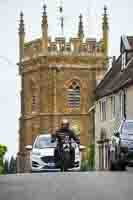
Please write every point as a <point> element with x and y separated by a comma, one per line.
<point>89,163</point>
<point>3,150</point>
<point>6,166</point>
<point>84,165</point>
<point>12,166</point>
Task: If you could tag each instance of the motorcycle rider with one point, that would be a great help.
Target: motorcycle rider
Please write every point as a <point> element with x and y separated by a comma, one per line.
<point>60,135</point>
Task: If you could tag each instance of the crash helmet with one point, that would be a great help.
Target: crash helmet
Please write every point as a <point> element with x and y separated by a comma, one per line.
<point>65,123</point>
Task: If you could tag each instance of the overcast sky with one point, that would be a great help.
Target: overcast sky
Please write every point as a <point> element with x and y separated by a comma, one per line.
<point>120,22</point>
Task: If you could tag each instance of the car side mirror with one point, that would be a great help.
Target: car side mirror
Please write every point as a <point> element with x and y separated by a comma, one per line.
<point>28,147</point>
<point>117,134</point>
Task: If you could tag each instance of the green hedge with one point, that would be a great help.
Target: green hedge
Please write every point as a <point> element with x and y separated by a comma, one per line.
<point>89,163</point>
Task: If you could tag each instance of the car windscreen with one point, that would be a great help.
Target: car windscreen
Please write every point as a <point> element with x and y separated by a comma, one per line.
<point>128,128</point>
<point>44,142</point>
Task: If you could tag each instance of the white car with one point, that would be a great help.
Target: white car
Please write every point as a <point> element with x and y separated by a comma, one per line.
<point>42,155</point>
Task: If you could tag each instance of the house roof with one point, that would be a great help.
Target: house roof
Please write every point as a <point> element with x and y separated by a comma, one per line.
<point>126,43</point>
<point>130,40</point>
<point>116,78</point>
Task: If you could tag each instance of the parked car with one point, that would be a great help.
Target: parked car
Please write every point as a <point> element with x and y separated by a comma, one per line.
<point>121,148</point>
<point>42,154</point>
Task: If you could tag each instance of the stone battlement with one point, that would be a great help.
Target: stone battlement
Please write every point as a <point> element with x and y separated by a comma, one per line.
<point>59,46</point>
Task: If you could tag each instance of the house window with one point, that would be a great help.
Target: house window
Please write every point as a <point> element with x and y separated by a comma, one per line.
<point>123,60</point>
<point>103,110</point>
<point>121,100</point>
<point>113,107</point>
<point>74,95</point>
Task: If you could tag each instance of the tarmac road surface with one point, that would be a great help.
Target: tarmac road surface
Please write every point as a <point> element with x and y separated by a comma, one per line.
<point>68,186</point>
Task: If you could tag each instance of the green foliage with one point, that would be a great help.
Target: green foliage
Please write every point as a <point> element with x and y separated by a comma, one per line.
<point>89,163</point>
<point>12,166</point>
<point>6,164</point>
<point>91,156</point>
<point>3,150</point>
<point>84,165</point>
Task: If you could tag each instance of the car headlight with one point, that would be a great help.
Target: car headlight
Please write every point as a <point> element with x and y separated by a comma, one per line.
<point>124,146</point>
<point>124,143</point>
<point>36,153</point>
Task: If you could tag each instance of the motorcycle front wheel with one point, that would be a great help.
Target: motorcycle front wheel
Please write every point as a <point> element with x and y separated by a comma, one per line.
<point>65,161</point>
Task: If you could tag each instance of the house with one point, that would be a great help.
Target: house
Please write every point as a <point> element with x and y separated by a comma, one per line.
<point>114,101</point>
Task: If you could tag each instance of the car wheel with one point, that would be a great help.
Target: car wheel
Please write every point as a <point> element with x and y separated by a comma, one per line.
<point>122,167</point>
<point>112,166</point>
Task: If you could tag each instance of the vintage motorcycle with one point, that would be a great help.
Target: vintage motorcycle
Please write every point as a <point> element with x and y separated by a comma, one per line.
<point>65,161</point>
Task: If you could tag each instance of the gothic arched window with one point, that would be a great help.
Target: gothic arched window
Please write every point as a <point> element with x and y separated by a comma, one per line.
<point>73,93</point>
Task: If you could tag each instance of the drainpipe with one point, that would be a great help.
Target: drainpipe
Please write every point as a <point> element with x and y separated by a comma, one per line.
<point>125,114</point>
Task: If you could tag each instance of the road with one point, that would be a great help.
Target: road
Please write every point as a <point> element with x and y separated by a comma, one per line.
<point>68,186</point>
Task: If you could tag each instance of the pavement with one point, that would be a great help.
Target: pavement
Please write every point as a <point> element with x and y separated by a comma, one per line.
<point>68,186</point>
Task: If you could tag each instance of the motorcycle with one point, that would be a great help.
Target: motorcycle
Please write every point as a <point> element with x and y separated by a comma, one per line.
<point>65,155</point>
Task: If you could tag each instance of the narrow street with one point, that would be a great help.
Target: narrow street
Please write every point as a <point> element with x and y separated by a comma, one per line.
<point>130,169</point>
<point>68,186</point>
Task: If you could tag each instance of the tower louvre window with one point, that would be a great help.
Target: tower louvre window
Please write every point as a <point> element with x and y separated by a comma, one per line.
<point>74,95</point>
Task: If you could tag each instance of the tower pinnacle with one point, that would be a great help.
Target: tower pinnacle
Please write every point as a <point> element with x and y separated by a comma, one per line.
<point>44,29</point>
<point>21,25</point>
<point>105,19</point>
<point>105,27</point>
<point>61,19</point>
<point>21,37</point>
<point>80,28</point>
<point>44,16</point>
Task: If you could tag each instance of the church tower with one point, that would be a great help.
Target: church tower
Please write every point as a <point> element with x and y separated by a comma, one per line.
<point>58,80</point>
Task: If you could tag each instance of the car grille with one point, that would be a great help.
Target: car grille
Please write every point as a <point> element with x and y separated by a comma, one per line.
<point>34,164</point>
<point>47,159</point>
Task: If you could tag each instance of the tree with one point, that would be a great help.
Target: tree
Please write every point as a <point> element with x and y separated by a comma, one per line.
<point>12,166</point>
<point>3,150</point>
<point>6,166</point>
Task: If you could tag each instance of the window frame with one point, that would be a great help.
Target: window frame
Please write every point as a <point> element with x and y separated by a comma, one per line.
<point>121,101</point>
<point>123,60</point>
<point>113,106</point>
<point>74,95</point>
<point>103,109</point>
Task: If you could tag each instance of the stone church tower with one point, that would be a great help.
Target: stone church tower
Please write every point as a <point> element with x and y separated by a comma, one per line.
<point>58,80</point>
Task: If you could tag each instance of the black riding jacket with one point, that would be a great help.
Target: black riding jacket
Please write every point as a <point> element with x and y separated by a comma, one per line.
<point>61,133</point>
